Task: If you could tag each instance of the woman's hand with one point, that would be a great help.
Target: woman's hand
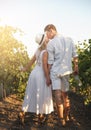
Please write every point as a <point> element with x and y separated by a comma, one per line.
<point>48,81</point>
<point>22,69</point>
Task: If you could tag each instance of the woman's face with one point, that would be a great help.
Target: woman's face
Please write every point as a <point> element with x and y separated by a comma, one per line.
<point>46,39</point>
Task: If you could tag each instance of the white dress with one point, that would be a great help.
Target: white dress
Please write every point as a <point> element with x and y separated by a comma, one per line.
<point>38,96</point>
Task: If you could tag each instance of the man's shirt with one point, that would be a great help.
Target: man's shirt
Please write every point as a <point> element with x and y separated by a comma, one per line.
<point>60,53</point>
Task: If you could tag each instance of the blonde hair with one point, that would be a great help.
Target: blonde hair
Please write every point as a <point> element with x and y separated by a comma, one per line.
<point>43,46</point>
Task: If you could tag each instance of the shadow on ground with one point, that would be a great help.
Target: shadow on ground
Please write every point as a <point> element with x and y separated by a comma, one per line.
<point>11,106</point>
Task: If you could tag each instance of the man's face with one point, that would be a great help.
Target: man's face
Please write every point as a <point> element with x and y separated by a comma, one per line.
<point>49,34</point>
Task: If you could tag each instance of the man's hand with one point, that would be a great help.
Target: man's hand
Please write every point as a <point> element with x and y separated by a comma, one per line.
<point>76,71</point>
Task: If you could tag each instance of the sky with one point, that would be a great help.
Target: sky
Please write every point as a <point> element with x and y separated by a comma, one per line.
<point>72,18</point>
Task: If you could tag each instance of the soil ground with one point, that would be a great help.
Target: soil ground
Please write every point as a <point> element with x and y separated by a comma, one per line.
<point>11,106</point>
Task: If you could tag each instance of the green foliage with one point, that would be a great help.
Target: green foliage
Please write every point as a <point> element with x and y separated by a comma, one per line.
<point>13,54</point>
<point>85,63</point>
<point>84,51</point>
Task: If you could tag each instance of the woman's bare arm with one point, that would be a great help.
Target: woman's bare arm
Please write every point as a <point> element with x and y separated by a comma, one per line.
<point>45,67</point>
<point>31,62</point>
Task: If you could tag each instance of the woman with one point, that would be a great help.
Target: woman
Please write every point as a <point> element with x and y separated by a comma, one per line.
<point>38,95</point>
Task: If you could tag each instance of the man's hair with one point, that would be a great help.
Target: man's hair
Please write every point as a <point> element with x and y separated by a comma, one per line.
<point>49,26</point>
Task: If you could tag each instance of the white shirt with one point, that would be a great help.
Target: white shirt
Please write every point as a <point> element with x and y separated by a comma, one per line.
<point>60,53</point>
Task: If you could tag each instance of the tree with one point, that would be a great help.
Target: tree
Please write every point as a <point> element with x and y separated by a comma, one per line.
<point>84,50</point>
<point>12,55</point>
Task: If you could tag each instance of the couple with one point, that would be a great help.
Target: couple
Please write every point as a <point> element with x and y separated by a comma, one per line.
<point>50,74</point>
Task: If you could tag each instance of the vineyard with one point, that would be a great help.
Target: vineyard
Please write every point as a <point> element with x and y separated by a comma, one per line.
<point>14,55</point>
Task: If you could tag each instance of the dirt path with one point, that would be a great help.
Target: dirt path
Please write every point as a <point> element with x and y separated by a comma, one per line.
<point>11,106</point>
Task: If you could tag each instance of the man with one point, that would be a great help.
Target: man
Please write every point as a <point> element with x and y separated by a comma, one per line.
<point>60,53</point>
